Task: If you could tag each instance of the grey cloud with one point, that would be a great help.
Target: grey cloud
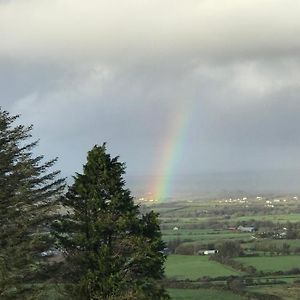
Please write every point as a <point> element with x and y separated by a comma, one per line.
<point>131,109</point>
<point>134,30</point>
<point>94,71</point>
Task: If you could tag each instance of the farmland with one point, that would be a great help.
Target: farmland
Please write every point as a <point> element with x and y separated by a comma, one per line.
<point>257,240</point>
<point>269,243</point>
<point>290,292</point>
<point>193,267</point>
<point>201,235</point>
<point>274,218</point>
<point>273,263</point>
<point>208,294</point>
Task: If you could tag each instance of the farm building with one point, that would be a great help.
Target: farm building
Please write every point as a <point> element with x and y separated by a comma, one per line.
<point>246,229</point>
<point>207,252</point>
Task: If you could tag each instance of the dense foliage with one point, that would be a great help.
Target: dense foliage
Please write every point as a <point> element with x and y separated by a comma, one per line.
<point>113,251</point>
<point>28,193</point>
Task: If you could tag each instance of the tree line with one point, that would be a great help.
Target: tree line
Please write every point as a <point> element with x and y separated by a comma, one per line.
<point>86,241</point>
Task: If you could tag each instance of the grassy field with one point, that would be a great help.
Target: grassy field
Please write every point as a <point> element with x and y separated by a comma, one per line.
<point>272,263</point>
<point>203,294</point>
<point>175,221</point>
<point>200,235</point>
<point>265,243</point>
<point>184,231</point>
<point>274,218</point>
<point>284,278</point>
<point>286,292</point>
<point>194,267</point>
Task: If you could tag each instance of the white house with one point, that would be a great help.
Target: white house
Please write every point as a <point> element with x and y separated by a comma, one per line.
<point>246,229</point>
<point>207,252</point>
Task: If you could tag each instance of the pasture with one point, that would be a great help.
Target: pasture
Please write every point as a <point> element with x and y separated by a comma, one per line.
<point>286,292</point>
<point>271,263</point>
<point>194,267</point>
<point>267,243</point>
<point>276,218</point>
<point>204,235</point>
<point>205,294</point>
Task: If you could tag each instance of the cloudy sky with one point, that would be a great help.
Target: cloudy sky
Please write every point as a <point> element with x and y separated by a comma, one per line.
<point>85,72</point>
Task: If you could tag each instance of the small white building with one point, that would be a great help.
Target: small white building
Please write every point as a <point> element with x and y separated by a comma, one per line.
<point>246,229</point>
<point>207,252</point>
<point>210,252</point>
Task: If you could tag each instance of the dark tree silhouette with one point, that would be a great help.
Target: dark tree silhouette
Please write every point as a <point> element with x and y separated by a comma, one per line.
<point>28,192</point>
<point>114,252</point>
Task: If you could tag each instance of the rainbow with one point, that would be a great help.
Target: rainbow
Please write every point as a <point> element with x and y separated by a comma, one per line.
<point>172,151</point>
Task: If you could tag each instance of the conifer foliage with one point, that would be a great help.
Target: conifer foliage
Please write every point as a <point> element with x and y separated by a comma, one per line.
<point>28,191</point>
<point>113,252</point>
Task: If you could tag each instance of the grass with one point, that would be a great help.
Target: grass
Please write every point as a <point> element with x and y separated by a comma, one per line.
<point>181,220</point>
<point>274,218</point>
<point>36,291</point>
<point>285,278</point>
<point>197,235</point>
<point>265,243</point>
<point>287,292</point>
<point>271,263</point>
<point>194,267</point>
<point>203,294</point>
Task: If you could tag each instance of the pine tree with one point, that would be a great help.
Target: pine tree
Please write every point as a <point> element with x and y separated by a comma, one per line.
<point>28,192</point>
<point>114,252</point>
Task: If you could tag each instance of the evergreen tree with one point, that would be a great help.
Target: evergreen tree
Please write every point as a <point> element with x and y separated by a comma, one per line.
<point>114,252</point>
<point>28,191</point>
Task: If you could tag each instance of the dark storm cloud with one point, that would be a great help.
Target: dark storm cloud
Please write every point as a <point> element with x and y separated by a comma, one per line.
<point>88,72</point>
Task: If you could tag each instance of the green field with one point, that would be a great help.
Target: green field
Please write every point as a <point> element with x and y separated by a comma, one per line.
<point>200,235</point>
<point>284,278</point>
<point>194,267</point>
<point>203,294</point>
<point>271,263</point>
<point>286,292</point>
<point>265,243</point>
<point>177,221</point>
<point>274,218</point>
